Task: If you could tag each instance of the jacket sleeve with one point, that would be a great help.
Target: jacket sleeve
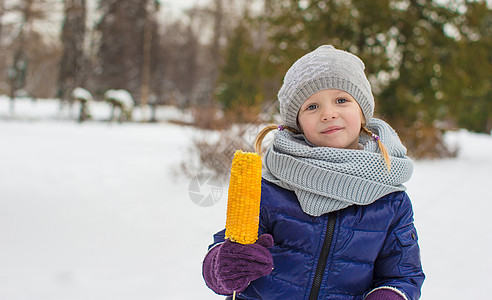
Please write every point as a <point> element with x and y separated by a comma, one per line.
<point>398,264</point>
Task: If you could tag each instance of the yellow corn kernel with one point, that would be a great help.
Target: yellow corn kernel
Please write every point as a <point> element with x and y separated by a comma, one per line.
<point>243,203</point>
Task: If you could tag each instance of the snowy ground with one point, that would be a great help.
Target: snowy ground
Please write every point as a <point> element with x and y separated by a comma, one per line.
<point>93,211</point>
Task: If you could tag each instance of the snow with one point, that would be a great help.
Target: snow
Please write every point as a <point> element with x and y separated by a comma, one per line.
<point>121,96</point>
<point>96,211</point>
<point>49,109</point>
<point>452,211</point>
<point>82,94</point>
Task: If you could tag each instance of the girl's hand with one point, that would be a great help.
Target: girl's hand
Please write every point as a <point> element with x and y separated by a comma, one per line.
<point>232,266</point>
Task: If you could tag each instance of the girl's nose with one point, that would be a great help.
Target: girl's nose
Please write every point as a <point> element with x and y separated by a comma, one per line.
<point>329,114</point>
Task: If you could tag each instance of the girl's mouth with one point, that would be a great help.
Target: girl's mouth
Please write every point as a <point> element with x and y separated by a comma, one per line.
<point>332,129</point>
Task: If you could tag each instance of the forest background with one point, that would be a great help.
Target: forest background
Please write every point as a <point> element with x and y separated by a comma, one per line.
<point>429,62</point>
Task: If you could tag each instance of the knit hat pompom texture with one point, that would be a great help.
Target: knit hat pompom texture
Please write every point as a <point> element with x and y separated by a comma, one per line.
<point>324,68</point>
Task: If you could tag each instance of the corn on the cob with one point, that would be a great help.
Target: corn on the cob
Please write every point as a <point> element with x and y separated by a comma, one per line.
<point>243,203</point>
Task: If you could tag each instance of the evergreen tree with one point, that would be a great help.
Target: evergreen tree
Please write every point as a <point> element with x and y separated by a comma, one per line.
<point>429,62</point>
<point>239,83</point>
<point>469,72</point>
<point>419,71</point>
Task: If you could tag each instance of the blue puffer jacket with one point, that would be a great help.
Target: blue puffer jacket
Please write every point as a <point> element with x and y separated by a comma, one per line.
<point>340,255</point>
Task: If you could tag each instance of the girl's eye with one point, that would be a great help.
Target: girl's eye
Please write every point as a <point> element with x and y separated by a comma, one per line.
<point>312,106</point>
<point>341,100</point>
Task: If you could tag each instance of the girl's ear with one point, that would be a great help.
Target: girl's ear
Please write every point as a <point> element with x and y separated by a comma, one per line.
<point>362,117</point>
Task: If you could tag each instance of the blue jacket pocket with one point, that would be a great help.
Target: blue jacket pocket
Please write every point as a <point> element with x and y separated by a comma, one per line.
<point>407,235</point>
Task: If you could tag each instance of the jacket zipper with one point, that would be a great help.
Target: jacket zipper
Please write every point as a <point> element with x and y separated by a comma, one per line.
<point>325,250</point>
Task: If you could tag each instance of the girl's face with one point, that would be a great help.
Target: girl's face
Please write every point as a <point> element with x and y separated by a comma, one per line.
<point>331,118</point>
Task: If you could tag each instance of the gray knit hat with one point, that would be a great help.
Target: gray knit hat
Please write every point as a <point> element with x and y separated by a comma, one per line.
<point>324,68</point>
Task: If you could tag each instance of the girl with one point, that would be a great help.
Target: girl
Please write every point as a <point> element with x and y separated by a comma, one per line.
<point>335,222</point>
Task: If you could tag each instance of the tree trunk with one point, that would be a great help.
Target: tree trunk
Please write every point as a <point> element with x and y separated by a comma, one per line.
<point>72,38</point>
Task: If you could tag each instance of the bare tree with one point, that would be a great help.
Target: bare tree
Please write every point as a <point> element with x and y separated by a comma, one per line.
<point>122,29</point>
<point>211,21</point>
<point>2,48</point>
<point>18,69</point>
<point>72,38</point>
<point>2,10</point>
<point>145,86</point>
<point>29,12</point>
<point>218,16</point>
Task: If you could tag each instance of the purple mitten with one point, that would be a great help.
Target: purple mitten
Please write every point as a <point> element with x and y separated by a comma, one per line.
<point>230,266</point>
<point>385,294</point>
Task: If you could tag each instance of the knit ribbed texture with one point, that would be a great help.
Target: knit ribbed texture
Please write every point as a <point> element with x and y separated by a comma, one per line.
<point>327,179</point>
<point>324,68</point>
<point>386,293</point>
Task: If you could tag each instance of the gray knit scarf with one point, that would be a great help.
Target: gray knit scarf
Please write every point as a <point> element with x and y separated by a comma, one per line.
<point>328,179</point>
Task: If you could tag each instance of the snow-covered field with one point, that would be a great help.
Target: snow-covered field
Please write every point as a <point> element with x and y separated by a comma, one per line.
<point>95,211</point>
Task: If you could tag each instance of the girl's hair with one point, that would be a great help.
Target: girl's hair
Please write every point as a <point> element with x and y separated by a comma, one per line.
<point>266,130</point>
<point>381,146</point>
